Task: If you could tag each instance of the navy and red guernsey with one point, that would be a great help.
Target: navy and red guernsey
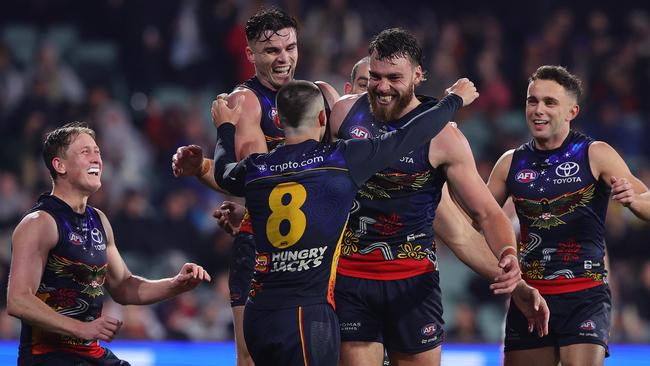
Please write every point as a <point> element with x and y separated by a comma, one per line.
<point>72,281</point>
<point>561,209</point>
<point>273,132</point>
<point>299,197</point>
<point>390,234</point>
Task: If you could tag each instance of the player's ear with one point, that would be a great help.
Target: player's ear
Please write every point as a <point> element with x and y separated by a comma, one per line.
<point>58,165</point>
<point>322,118</point>
<point>347,88</point>
<point>573,113</point>
<point>418,75</point>
<point>250,56</point>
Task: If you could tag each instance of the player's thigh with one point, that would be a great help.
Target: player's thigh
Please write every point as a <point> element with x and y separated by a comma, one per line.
<point>429,358</point>
<point>361,354</point>
<point>545,356</point>
<point>584,354</point>
<point>243,356</point>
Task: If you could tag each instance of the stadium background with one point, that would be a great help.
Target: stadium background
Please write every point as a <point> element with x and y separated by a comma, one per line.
<point>142,73</point>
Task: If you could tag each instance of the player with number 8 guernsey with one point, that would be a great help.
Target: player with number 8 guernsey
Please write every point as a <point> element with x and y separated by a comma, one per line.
<point>299,196</point>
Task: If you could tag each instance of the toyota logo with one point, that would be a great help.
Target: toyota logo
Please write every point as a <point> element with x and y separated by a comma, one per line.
<point>567,169</point>
<point>96,235</point>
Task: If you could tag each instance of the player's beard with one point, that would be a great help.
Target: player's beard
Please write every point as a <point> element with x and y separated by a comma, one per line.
<point>394,110</point>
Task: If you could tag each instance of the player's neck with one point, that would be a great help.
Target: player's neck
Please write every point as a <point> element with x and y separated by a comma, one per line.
<point>75,199</point>
<point>266,83</point>
<point>553,142</point>
<point>300,135</point>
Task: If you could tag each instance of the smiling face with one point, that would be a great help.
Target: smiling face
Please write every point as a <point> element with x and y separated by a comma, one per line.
<point>274,55</point>
<point>391,87</point>
<point>81,164</point>
<point>549,111</point>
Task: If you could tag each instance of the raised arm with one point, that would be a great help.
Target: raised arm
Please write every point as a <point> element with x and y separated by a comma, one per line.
<point>189,160</point>
<point>628,190</point>
<point>227,173</point>
<point>128,289</point>
<point>365,157</point>
<point>32,240</point>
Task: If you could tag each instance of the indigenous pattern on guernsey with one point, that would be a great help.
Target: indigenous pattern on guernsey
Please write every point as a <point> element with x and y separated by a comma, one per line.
<point>72,281</point>
<point>389,235</point>
<point>562,209</point>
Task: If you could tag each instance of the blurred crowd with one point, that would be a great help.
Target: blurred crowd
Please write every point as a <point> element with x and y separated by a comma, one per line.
<point>143,74</point>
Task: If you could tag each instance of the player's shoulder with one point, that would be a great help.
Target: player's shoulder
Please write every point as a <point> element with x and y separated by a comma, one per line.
<point>345,102</point>
<point>505,160</point>
<point>39,224</point>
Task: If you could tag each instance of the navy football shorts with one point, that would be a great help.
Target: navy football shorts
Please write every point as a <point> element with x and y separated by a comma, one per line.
<point>576,317</point>
<point>242,263</point>
<point>405,315</point>
<point>296,336</point>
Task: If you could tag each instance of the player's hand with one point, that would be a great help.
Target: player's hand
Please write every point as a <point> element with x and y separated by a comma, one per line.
<point>506,282</point>
<point>622,191</point>
<point>103,328</point>
<point>221,112</point>
<point>229,216</point>
<point>533,306</point>
<point>465,89</point>
<point>187,161</point>
<point>189,277</point>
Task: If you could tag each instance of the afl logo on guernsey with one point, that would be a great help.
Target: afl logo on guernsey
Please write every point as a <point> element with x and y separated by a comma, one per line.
<point>526,176</point>
<point>428,330</point>
<point>76,239</point>
<point>358,132</point>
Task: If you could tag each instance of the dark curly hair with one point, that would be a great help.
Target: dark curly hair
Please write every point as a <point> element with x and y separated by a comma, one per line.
<point>268,19</point>
<point>394,43</point>
<point>560,75</point>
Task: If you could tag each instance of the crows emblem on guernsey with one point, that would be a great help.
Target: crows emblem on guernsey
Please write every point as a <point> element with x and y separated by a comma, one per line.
<point>91,277</point>
<point>546,212</point>
<point>381,184</point>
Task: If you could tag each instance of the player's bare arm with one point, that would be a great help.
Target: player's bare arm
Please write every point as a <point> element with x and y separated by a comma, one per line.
<point>341,109</point>
<point>32,240</point>
<point>607,165</point>
<point>451,149</point>
<point>331,95</point>
<point>497,180</point>
<point>190,161</point>
<point>128,289</point>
